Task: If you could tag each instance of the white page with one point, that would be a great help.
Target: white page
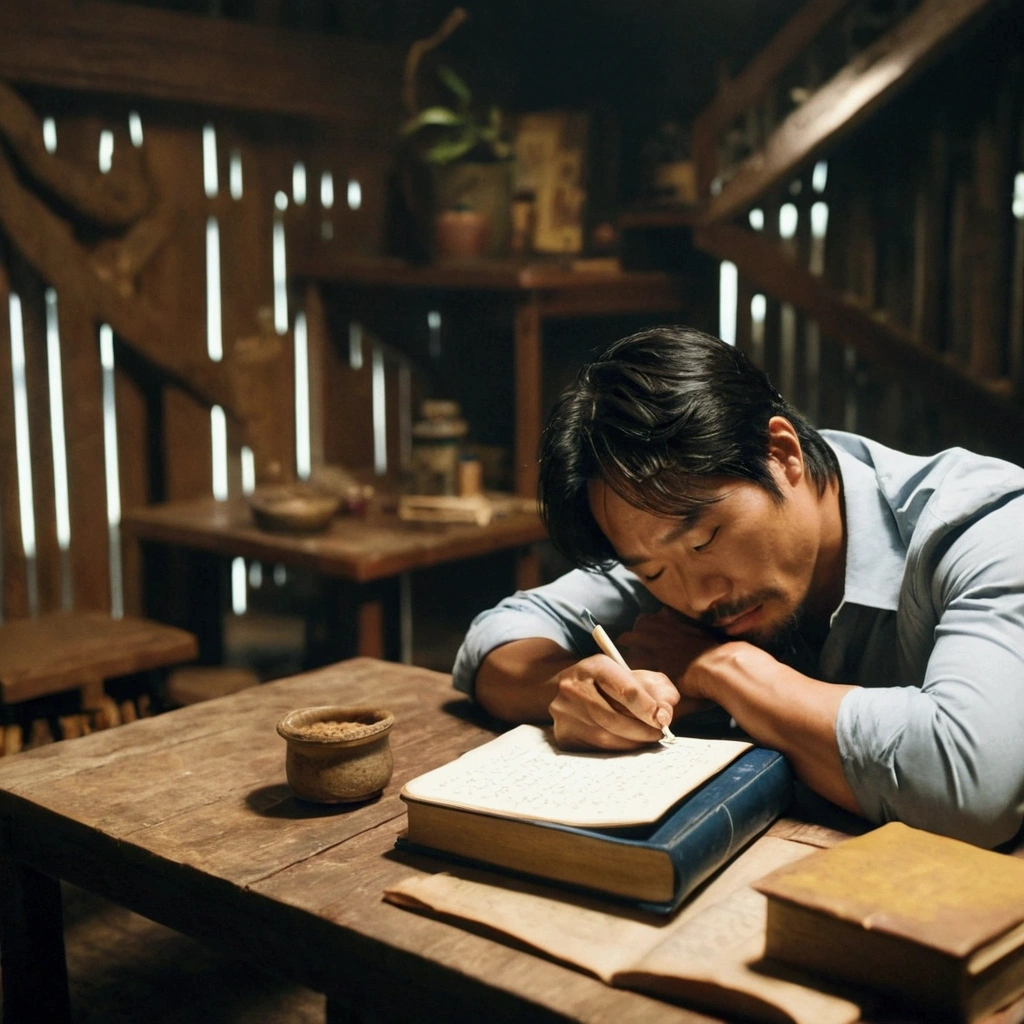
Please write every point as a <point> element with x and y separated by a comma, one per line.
<point>522,774</point>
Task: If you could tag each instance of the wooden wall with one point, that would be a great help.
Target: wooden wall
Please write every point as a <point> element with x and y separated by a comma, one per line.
<point>900,317</point>
<point>156,85</point>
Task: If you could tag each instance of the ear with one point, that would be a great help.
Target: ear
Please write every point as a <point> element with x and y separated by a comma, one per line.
<point>785,454</point>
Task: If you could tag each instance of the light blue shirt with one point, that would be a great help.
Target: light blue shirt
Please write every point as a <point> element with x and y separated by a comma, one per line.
<point>931,626</point>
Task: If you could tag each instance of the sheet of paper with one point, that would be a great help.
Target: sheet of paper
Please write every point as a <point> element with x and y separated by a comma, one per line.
<point>522,774</point>
<point>709,954</point>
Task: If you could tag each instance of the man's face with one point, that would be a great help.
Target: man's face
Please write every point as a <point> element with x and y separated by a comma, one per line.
<point>745,564</point>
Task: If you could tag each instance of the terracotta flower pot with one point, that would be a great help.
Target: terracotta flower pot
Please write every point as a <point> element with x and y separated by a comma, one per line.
<point>461,234</point>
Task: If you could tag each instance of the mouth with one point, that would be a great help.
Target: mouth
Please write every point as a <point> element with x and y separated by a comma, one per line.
<point>739,623</point>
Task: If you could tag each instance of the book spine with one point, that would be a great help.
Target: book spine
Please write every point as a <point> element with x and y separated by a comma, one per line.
<point>722,817</point>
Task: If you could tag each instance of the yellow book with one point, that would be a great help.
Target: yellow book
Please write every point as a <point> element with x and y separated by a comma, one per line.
<point>934,921</point>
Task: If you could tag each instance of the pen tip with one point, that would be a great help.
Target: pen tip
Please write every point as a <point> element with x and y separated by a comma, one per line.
<point>589,619</point>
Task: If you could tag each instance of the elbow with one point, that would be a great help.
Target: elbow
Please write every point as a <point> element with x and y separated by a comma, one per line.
<point>980,826</point>
<point>973,799</point>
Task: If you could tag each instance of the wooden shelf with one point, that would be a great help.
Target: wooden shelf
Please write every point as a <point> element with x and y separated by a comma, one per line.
<point>331,266</point>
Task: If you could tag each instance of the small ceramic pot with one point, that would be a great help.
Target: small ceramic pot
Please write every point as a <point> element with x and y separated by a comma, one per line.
<point>337,754</point>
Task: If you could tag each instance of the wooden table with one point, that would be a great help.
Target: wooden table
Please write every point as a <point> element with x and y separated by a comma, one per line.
<point>187,819</point>
<point>366,555</point>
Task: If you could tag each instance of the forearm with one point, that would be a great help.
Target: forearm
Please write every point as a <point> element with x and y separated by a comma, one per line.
<point>781,709</point>
<point>516,681</point>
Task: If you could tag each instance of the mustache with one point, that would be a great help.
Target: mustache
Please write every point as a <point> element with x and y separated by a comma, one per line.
<point>731,609</point>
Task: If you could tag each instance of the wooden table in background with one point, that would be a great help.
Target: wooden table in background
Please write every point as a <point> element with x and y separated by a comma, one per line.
<point>361,557</point>
<point>187,819</point>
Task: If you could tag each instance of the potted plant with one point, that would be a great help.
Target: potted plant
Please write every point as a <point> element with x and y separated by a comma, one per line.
<point>456,158</point>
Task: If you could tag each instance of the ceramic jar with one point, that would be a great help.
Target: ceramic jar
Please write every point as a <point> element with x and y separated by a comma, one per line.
<point>337,754</point>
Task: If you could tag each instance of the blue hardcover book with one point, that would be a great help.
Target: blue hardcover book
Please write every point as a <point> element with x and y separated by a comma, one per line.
<point>653,866</point>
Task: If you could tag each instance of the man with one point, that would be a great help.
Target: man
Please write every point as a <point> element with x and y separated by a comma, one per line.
<point>858,609</point>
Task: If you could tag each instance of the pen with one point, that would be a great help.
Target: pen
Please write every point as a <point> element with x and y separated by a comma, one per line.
<point>604,641</point>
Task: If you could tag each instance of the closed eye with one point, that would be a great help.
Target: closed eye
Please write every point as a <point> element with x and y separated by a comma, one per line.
<point>707,543</point>
<point>654,576</point>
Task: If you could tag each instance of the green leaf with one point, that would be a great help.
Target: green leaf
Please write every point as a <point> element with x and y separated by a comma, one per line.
<point>447,151</point>
<point>442,117</point>
<point>455,83</point>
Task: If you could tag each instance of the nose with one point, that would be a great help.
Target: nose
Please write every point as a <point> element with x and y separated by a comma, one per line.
<point>704,591</point>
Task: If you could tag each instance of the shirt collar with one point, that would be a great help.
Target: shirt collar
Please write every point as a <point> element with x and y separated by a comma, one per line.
<point>875,552</point>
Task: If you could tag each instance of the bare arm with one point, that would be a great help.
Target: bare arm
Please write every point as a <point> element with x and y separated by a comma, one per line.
<point>517,681</point>
<point>779,708</point>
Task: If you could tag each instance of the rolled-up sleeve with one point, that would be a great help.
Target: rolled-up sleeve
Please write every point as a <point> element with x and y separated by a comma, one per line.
<point>948,756</point>
<point>554,612</point>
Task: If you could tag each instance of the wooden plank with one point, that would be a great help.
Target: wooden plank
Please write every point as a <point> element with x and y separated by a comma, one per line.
<point>847,99</point>
<point>83,429</point>
<point>737,95</point>
<point>35,659</point>
<point>885,344</point>
<point>139,51</point>
<point>930,218</point>
<point>13,569</point>
<point>528,390</point>
<point>989,265</point>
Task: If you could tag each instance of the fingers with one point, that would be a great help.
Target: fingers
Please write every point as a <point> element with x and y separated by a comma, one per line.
<point>600,705</point>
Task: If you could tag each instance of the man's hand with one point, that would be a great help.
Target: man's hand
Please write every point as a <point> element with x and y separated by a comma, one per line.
<point>601,705</point>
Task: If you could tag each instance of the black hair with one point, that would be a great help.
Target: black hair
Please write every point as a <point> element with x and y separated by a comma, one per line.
<point>656,416</point>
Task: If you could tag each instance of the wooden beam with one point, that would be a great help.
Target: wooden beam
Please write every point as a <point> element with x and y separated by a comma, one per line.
<point>742,92</point>
<point>48,245</point>
<point>138,51</point>
<point>885,344</point>
<point>114,199</point>
<point>848,98</point>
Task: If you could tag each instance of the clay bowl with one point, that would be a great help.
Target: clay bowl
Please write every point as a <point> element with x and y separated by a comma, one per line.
<point>337,755</point>
<point>293,508</point>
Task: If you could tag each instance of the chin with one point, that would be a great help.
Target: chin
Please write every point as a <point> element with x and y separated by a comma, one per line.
<point>776,636</point>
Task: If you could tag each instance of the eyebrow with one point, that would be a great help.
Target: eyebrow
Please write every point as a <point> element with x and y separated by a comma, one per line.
<point>684,525</point>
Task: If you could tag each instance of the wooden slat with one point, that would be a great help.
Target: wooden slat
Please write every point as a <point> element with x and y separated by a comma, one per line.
<point>885,344</point>
<point>847,99</point>
<point>748,88</point>
<point>139,51</point>
<point>930,217</point>
<point>528,371</point>
<point>14,595</point>
<point>83,427</point>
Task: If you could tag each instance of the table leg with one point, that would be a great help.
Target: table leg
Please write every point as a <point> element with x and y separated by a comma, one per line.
<point>35,976</point>
<point>354,620</point>
<point>187,589</point>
